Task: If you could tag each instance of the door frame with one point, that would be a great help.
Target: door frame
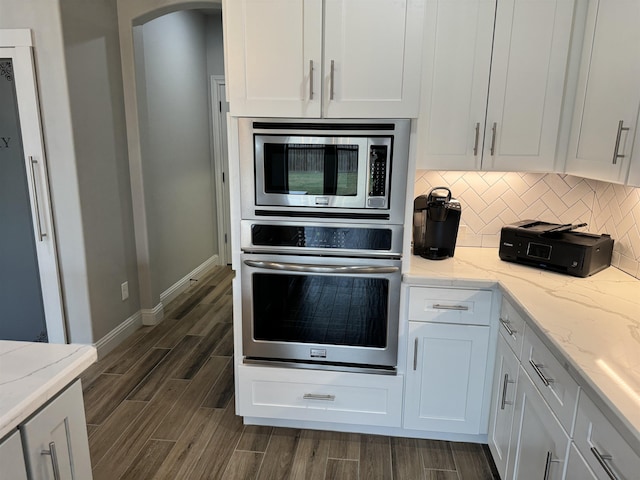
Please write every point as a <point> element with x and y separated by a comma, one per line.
<point>220,171</point>
<point>17,45</point>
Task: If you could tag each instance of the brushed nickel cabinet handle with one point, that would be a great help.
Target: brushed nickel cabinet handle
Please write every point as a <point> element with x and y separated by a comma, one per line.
<point>310,79</point>
<point>318,396</point>
<point>439,306</point>
<point>507,326</point>
<point>493,138</point>
<point>415,354</point>
<point>36,200</point>
<point>547,465</point>
<point>54,460</point>
<point>477,140</point>
<point>602,461</point>
<point>616,148</point>
<point>536,368</point>
<point>505,383</point>
<point>331,75</point>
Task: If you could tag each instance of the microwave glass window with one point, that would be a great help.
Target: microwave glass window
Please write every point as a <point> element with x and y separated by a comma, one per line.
<point>311,169</point>
<point>322,309</point>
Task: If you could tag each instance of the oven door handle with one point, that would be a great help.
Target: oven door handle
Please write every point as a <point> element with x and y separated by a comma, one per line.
<point>301,267</point>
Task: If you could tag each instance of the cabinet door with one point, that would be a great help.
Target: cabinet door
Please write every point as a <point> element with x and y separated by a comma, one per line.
<point>607,93</point>
<point>274,57</point>
<point>372,62</point>
<point>577,467</point>
<point>455,78</point>
<point>502,405</point>
<point>539,445</point>
<point>530,52</point>
<point>12,459</point>
<point>59,429</point>
<point>446,377</point>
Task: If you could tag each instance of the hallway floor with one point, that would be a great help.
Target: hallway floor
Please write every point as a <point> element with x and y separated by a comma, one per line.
<point>161,406</point>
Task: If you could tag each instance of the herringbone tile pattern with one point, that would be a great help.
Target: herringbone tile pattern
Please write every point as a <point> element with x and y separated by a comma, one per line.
<point>493,199</point>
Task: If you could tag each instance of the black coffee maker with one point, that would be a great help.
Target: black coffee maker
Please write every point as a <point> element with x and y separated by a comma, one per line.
<point>436,218</point>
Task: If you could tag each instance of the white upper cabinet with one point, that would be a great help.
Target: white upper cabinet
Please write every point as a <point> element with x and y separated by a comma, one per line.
<point>608,95</point>
<point>494,109</point>
<point>331,58</point>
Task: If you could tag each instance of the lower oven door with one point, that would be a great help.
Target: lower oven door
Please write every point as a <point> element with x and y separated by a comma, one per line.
<point>321,311</point>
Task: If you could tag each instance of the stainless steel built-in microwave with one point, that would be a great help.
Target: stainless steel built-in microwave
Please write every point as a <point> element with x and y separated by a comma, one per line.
<point>324,168</point>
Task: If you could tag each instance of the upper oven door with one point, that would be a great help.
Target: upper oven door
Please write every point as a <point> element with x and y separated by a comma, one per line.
<point>310,171</point>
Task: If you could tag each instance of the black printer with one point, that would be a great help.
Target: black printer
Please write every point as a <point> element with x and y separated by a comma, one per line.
<point>555,247</point>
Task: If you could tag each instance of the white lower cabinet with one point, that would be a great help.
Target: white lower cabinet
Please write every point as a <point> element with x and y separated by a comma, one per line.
<point>446,377</point>
<point>11,459</point>
<point>55,441</point>
<point>577,467</point>
<point>321,396</point>
<point>505,381</point>
<point>539,444</point>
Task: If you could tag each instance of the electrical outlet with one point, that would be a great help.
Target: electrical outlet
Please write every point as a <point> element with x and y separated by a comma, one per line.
<point>125,290</point>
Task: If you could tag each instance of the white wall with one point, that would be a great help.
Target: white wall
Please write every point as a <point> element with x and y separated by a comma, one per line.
<point>173,104</point>
<point>215,50</point>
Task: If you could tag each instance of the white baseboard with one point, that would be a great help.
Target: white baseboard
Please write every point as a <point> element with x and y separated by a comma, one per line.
<point>119,334</point>
<point>152,316</point>
<point>181,285</point>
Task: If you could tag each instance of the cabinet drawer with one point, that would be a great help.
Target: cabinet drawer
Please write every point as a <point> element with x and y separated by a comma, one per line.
<point>315,395</point>
<point>602,446</point>
<point>512,327</point>
<point>450,305</point>
<point>555,384</point>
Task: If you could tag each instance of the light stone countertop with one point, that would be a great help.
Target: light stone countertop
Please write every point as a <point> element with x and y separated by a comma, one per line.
<point>592,323</point>
<point>33,373</point>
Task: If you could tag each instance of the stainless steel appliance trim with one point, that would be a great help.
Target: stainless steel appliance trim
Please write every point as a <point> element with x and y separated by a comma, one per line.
<point>616,148</point>
<point>306,268</point>
<point>320,366</point>
<point>399,129</point>
<point>383,357</point>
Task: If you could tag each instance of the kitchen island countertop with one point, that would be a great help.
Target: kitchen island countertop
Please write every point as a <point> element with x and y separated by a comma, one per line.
<point>33,373</point>
<point>592,324</point>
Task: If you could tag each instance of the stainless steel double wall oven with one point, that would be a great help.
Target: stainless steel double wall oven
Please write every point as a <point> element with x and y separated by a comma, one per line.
<point>321,237</point>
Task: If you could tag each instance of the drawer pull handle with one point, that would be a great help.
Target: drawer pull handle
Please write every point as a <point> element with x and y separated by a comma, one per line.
<point>317,396</point>
<point>54,460</point>
<point>547,465</point>
<point>507,326</point>
<point>439,306</point>
<point>536,368</point>
<point>602,461</point>
<point>505,383</point>
<point>616,149</point>
<point>415,354</point>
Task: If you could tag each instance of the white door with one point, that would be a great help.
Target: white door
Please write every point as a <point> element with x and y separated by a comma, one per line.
<point>455,82</point>
<point>23,143</point>
<point>606,113</point>
<point>273,57</point>
<point>503,402</point>
<point>539,445</point>
<point>372,61</point>
<point>531,47</point>
<point>446,377</point>
<point>220,110</point>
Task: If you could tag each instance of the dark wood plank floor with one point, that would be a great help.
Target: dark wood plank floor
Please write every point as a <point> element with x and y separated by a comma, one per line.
<point>160,406</point>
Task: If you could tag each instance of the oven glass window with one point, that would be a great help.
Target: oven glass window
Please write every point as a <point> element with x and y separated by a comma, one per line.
<point>311,169</point>
<point>321,309</point>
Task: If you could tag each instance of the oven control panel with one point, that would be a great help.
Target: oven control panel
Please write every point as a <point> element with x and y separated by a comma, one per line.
<point>305,236</point>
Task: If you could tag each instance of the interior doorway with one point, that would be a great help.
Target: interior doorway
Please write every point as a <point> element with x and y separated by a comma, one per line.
<point>30,294</point>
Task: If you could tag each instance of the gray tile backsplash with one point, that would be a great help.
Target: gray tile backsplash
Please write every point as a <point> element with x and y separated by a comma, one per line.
<point>492,199</point>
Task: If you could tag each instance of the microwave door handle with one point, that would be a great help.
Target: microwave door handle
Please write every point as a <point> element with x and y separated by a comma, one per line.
<point>305,268</point>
